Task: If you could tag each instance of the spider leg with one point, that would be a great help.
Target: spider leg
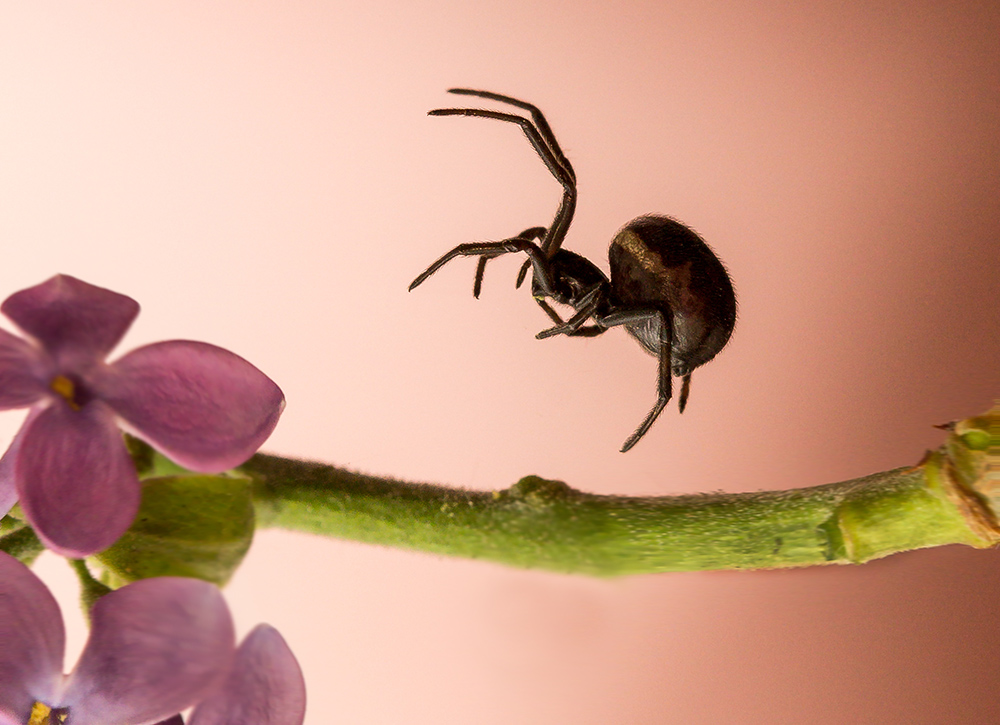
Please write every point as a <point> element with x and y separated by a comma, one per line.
<point>553,315</point>
<point>685,390</point>
<point>588,331</point>
<point>664,382</point>
<point>522,273</point>
<point>535,137</point>
<point>477,283</point>
<point>556,232</point>
<point>536,115</point>
<point>585,310</point>
<point>490,250</point>
<point>563,218</point>
<point>583,331</point>
<point>527,235</point>
<point>537,233</point>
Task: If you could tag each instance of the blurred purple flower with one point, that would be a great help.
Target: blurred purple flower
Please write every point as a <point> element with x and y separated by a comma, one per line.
<point>201,406</point>
<point>156,647</point>
<point>264,686</point>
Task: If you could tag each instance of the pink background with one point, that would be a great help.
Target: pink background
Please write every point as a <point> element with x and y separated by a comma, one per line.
<point>261,175</point>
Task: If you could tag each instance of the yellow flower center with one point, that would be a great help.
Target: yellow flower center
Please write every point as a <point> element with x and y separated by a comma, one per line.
<point>65,388</point>
<point>42,714</point>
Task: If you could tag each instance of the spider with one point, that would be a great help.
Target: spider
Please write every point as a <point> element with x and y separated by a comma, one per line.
<point>667,288</point>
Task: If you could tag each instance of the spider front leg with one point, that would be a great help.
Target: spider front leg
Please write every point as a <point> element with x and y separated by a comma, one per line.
<point>545,145</point>
<point>547,309</point>
<point>491,250</point>
<point>527,235</point>
<point>584,331</point>
<point>586,306</point>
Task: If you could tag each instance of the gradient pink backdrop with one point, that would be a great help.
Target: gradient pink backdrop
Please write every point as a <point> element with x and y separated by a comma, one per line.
<point>261,175</point>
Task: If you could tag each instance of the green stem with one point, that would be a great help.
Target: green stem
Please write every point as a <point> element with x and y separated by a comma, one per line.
<point>19,540</point>
<point>90,589</point>
<point>546,524</point>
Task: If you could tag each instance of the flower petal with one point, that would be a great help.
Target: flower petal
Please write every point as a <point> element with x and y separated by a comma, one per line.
<point>31,630</point>
<point>201,406</point>
<point>156,647</point>
<point>75,480</point>
<point>265,686</point>
<point>24,372</point>
<point>8,490</point>
<point>75,321</point>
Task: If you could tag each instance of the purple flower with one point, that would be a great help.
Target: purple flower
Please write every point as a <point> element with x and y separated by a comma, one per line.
<point>201,406</point>
<point>156,647</point>
<point>264,686</point>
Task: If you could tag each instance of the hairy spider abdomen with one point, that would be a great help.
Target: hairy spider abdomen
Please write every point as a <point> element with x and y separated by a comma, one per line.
<point>658,263</point>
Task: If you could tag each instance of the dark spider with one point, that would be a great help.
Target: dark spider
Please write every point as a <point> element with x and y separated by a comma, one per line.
<point>667,288</point>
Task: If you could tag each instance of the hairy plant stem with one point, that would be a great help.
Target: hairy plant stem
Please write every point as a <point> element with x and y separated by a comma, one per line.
<point>951,497</point>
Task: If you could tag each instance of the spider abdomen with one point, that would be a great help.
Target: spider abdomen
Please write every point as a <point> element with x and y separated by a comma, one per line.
<point>659,264</point>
